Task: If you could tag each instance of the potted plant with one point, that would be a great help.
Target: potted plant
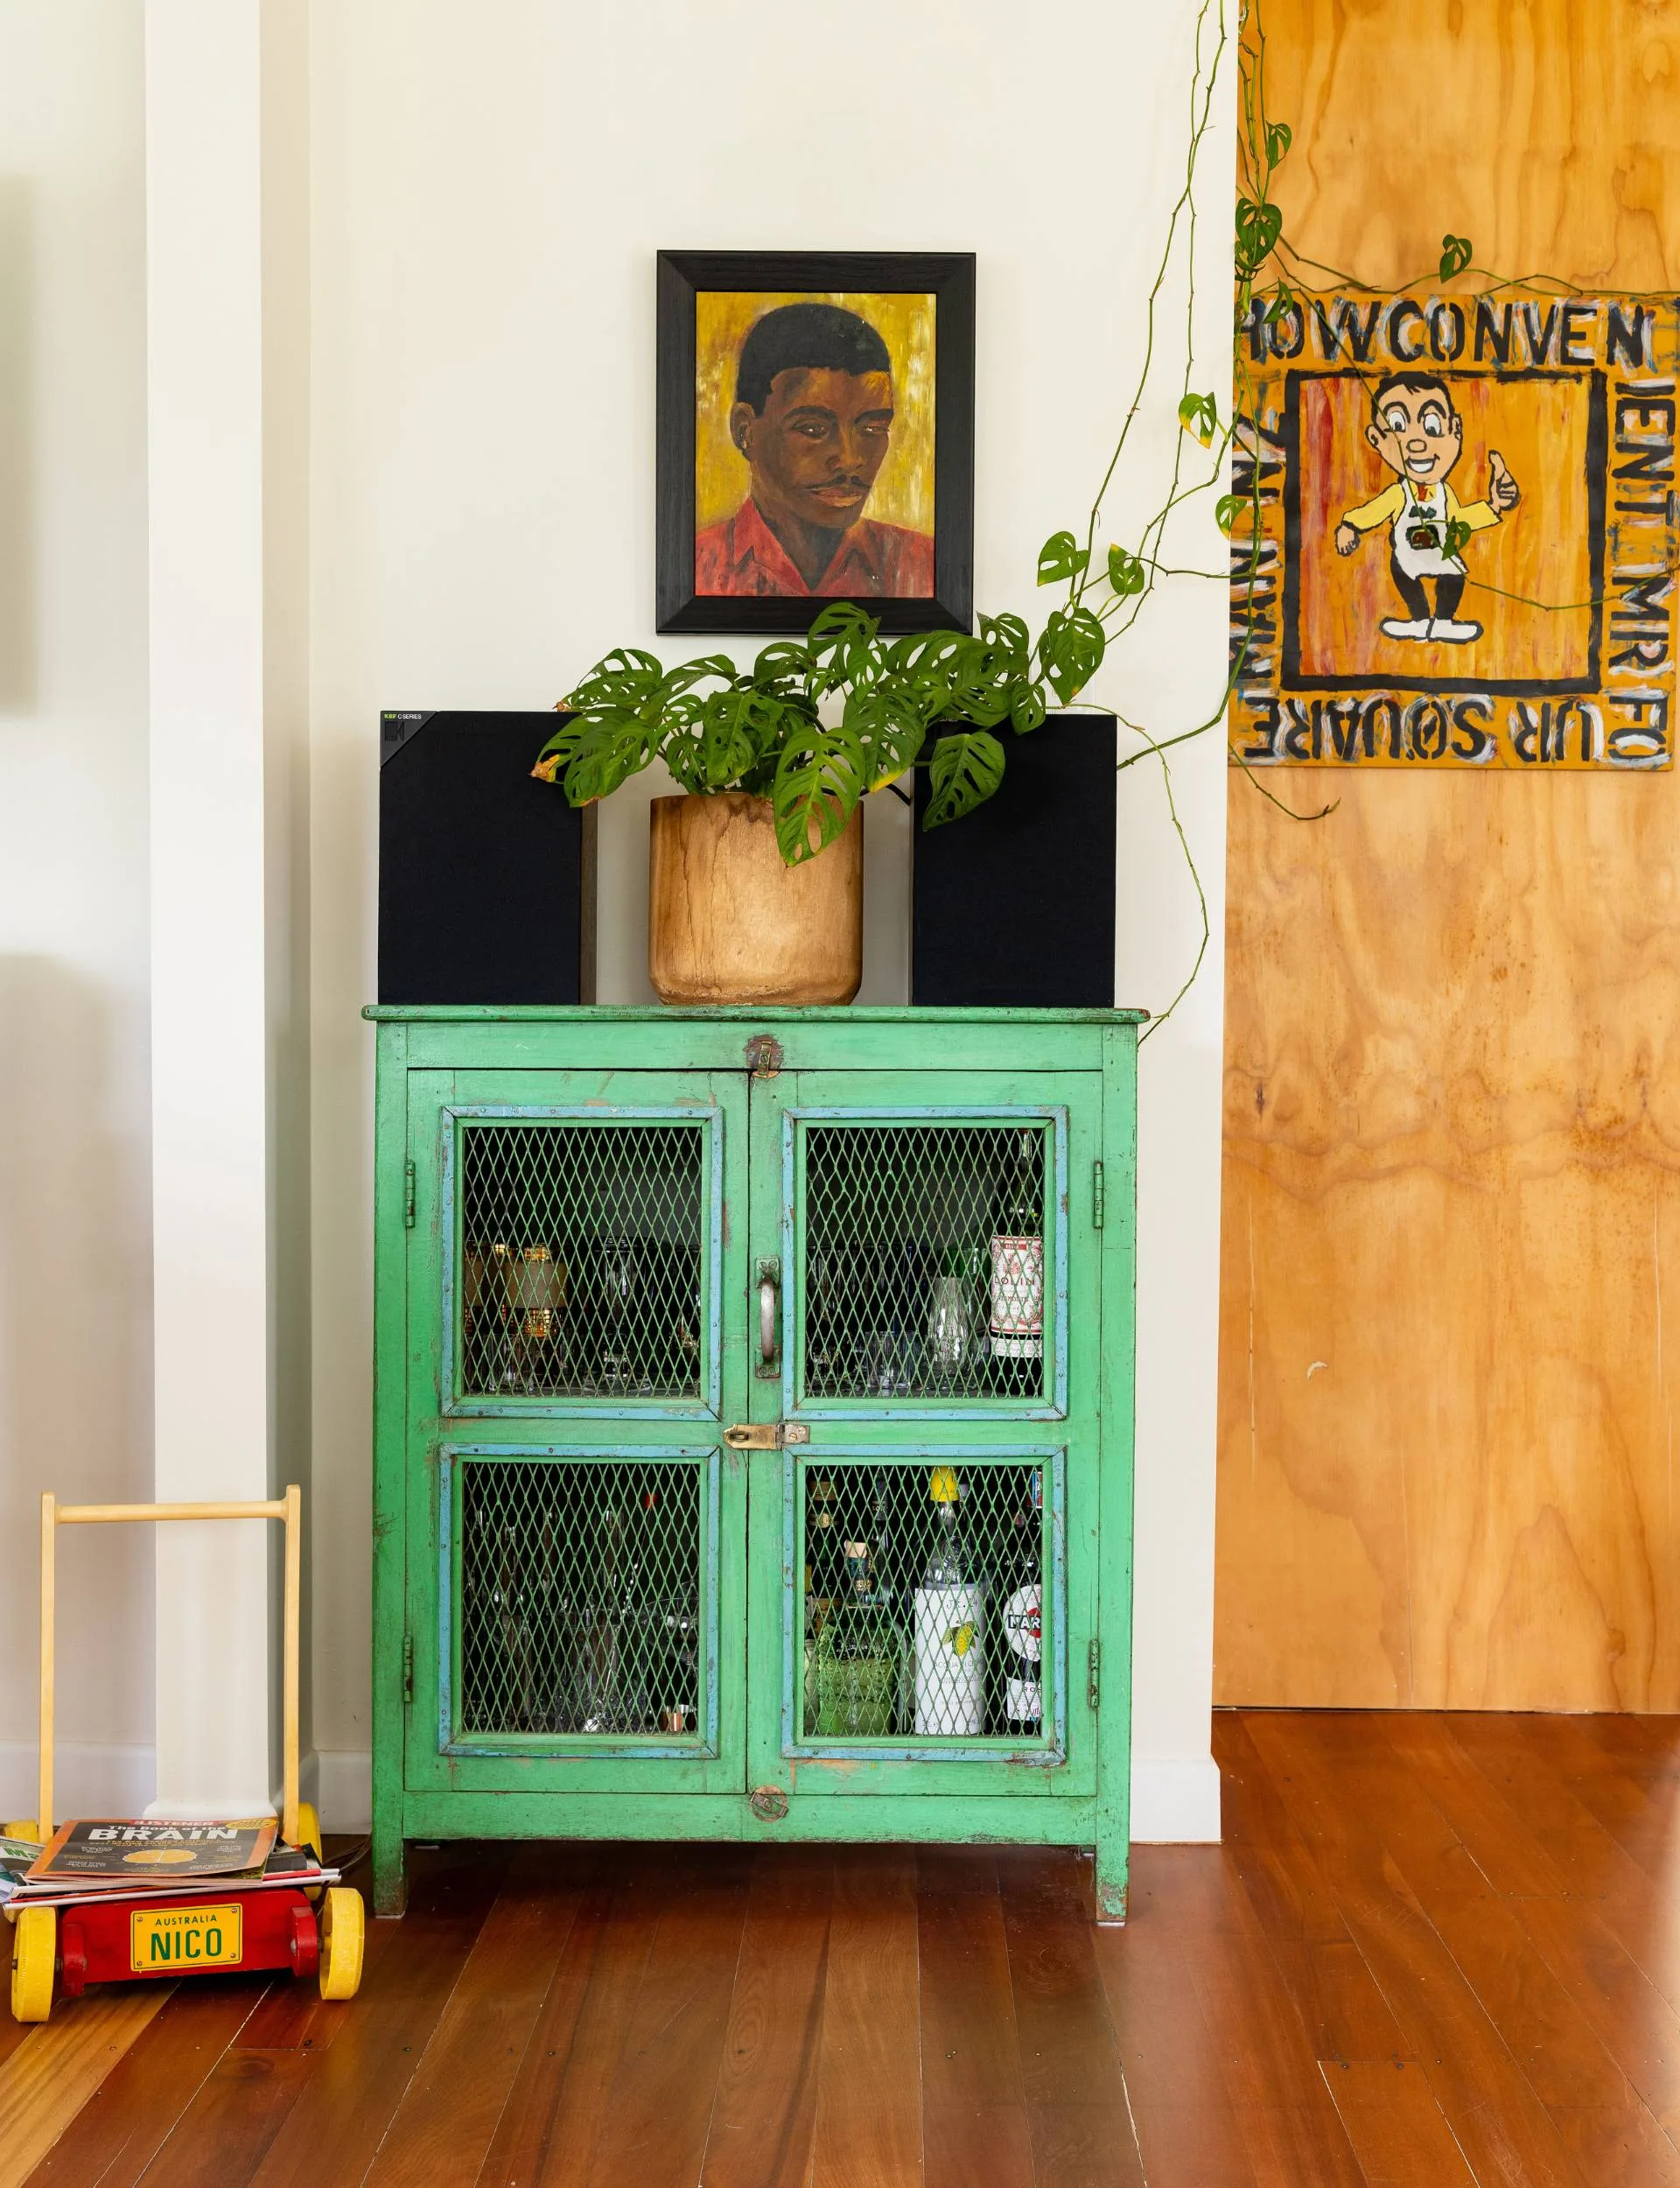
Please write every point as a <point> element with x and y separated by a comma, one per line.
<point>755,890</point>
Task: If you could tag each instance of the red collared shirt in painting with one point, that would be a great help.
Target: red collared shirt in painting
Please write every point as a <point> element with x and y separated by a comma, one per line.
<point>742,555</point>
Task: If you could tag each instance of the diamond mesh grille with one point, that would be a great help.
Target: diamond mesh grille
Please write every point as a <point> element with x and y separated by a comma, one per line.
<point>922,1595</point>
<point>581,1259</point>
<point>923,1272</point>
<point>580,1596</point>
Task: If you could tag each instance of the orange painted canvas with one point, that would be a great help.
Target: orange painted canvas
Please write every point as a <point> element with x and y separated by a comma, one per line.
<point>1466,551</point>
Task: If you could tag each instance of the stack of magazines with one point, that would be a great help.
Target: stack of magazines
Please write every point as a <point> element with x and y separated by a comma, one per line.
<point>99,1855</point>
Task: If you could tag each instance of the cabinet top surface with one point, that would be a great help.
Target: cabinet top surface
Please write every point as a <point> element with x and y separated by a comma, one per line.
<point>742,1013</point>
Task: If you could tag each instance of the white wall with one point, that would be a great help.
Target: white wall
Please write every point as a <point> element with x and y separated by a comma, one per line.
<point>489,187</point>
<point>75,1339</point>
<point>488,190</point>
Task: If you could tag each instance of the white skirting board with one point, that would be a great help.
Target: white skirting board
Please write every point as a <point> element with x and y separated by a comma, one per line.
<point>340,1782</point>
<point>1174,1803</point>
<point>90,1778</point>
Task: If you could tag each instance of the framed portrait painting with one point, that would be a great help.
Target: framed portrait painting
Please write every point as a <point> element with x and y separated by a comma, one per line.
<point>815,439</point>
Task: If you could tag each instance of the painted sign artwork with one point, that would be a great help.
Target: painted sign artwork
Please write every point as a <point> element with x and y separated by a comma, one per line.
<point>1468,536</point>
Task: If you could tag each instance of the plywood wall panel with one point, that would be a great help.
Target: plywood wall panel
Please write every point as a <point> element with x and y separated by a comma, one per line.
<point>1451,1291</point>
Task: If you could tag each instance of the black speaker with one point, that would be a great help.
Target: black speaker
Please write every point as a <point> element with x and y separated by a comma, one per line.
<point>487,876</point>
<point>1014,903</point>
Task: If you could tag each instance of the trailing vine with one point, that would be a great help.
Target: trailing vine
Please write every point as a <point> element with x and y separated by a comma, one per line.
<point>815,723</point>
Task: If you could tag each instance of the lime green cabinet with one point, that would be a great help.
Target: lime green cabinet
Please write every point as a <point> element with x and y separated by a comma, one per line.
<point>754,1426</point>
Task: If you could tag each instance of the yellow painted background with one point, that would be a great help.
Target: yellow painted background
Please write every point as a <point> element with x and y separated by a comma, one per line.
<point>1540,551</point>
<point>904,491</point>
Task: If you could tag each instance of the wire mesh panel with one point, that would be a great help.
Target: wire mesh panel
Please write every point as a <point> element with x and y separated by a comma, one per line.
<point>924,1261</point>
<point>923,1598</point>
<point>579,1597</point>
<point>581,1260</point>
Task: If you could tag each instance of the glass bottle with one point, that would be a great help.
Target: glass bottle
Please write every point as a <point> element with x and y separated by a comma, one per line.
<point>824,1561</point>
<point>537,1304</point>
<point>1022,1618</point>
<point>949,1331</point>
<point>950,1655</point>
<point>621,1276</point>
<point>883,1542</point>
<point>500,1285</point>
<point>818,1314</point>
<point>1017,1317</point>
<point>597,1665</point>
<point>472,1312</point>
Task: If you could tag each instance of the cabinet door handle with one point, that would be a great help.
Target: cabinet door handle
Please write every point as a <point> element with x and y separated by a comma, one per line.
<point>769,1301</point>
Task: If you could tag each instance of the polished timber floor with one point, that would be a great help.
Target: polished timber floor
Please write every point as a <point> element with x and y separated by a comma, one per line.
<point>1433,1949</point>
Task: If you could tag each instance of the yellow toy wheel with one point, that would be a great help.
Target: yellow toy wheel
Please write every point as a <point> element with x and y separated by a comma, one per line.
<point>309,1827</point>
<point>26,1829</point>
<point>33,1952</point>
<point>341,1936</point>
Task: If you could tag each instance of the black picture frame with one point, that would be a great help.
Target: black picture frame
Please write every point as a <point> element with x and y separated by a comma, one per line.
<point>948,277</point>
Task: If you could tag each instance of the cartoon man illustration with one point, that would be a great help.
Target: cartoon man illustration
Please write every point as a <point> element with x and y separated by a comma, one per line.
<point>1420,436</point>
<point>813,416</point>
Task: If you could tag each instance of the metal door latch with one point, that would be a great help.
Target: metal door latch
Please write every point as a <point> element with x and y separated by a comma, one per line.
<point>764,1056</point>
<point>765,1435</point>
<point>768,1803</point>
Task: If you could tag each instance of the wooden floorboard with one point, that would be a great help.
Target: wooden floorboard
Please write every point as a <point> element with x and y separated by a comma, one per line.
<point>1434,1950</point>
<point>59,2067</point>
<point>1082,2127</point>
<point>975,2121</point>
<point>448,2114</point>
<point>764,2115</point>
<point>125,2123</point>
<point>346,2103</point>
<point>868,2131</point>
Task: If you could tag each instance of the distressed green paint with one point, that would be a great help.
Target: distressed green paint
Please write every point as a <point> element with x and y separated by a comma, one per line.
<point>1114,1521</point>
<point>904,1064</point>
<point>978,1820</point>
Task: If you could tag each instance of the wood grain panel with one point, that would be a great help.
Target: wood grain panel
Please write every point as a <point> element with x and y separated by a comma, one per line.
<point>1452,1219</point>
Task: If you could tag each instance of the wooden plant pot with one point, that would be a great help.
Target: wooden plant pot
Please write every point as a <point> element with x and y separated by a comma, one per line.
<point>727,922</point>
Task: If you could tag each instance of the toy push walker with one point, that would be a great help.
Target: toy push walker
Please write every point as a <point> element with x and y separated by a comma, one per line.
<point>318,1932</point>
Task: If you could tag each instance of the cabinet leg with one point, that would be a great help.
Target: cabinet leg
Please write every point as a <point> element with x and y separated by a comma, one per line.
<point>1113,1866</point>
<point>390,1872</point>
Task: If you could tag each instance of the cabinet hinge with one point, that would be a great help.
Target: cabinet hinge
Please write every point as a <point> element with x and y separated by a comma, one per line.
<point>408,1668</point>
<point>1096,1196</point>
<point>408,1196</point>
<point>1095,1683</point>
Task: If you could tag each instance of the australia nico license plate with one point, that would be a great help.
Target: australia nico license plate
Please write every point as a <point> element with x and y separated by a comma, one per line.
<point>163,1939</point>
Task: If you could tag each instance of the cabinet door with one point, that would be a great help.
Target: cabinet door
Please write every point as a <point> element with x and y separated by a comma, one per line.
<point>924,1545</point>
<point>576,1524</point>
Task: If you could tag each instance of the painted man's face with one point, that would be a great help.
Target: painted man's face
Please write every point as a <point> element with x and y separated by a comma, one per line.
<point>1418,433</point>
<point>818,444</point>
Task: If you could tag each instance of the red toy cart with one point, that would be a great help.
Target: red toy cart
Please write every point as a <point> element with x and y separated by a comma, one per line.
<point>120,1939</point>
